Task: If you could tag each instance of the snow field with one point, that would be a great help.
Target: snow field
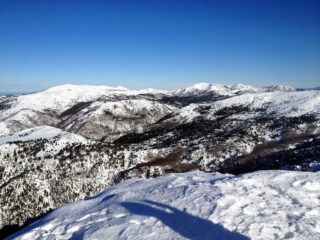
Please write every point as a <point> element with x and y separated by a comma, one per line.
<point>194,205</point>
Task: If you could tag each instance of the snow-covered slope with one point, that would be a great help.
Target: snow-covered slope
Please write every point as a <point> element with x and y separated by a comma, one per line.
<point>41,132</point>
<point>287,104</point>
<point>63,96</point>
<point>102,118</point>
<point>276,104</point>
<point>194,205</point>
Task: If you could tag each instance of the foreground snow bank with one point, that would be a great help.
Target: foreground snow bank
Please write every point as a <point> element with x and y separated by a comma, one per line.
<point>194,205</point>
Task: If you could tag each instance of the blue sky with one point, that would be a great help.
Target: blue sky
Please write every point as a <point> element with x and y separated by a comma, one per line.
<point>159,44</point>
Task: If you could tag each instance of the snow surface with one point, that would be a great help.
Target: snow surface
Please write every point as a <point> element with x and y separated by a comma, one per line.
<point>194,205</point>
<point>41,132</point>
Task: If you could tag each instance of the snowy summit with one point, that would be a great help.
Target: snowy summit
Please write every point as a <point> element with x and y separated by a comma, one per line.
<point>195,205</point>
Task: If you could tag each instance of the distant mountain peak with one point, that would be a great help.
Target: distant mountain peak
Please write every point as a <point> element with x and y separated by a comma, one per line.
<point>220,89</point>
<point>200,88</point>
<point>279,88</point>
<point>73,87</point>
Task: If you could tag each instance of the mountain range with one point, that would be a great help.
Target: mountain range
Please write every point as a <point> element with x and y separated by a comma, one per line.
<point>72,141</point>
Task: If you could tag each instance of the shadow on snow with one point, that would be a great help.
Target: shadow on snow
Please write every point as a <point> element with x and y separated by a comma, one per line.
<point>187,225</point>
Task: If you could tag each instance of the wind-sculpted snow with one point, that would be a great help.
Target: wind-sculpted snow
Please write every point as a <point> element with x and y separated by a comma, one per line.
<point>194,205</point>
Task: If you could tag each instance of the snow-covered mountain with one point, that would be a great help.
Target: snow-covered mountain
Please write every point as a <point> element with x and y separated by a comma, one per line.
<point>279,88</point>
<point>202,88</point>
<point>229,90</point>
<point>52,106</point>
<point>194,205</point>
<point>68,142</point>
<point>81,108</point>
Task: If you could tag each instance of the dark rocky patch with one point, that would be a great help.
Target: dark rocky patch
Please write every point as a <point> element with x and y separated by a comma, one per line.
<point>75,109</point>
<point>182,101</point>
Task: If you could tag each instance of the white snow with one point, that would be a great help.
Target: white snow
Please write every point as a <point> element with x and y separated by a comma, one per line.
<point>42,108</point>
<point>41,132</point>
<point>280,88</point>
<point>201,88</point>
<point>29,109</point>
<point>282,103</point>
<point>287,104</point>
<point>4,130</point>
<point>188,113</point>
<point>194,205</point>
<point>242,88</point>
<point>35,109</point>
<point>61,97</point>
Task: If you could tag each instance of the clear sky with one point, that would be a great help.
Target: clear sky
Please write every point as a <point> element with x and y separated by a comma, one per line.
<point>158,43</point>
